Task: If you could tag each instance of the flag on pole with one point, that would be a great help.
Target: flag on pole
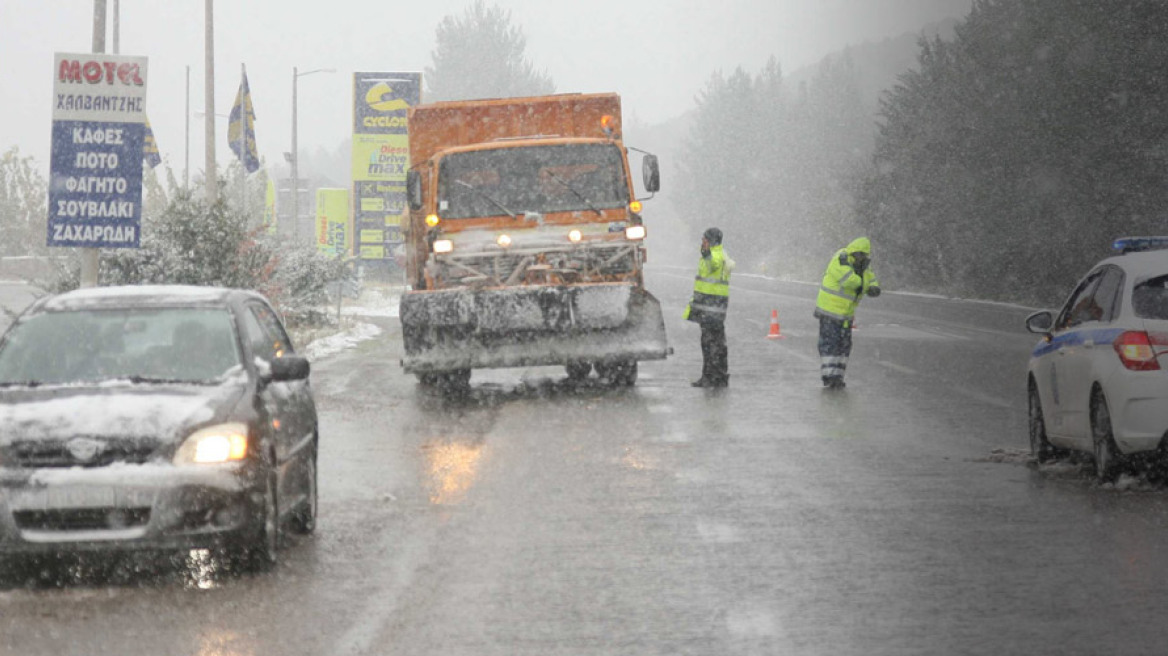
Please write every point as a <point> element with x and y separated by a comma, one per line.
<point>241,128</point>
<point>150,153</point>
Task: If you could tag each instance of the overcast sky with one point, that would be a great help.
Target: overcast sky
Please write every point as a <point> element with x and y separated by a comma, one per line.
<point>657,54</point>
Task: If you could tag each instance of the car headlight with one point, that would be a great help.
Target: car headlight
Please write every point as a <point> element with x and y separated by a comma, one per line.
<point>214,444</point>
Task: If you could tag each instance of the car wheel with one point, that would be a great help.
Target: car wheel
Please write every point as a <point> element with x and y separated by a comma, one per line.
<point>304,519</point>
<point>578,371</point>
<point>1108,460</point>
<point>1040,447</point>
<point>260,554</point>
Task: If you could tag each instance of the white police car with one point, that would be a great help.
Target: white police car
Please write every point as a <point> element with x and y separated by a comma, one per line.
<point>1098,378</point>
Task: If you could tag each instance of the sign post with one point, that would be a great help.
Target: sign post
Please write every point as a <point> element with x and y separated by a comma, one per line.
<point>99,125</point>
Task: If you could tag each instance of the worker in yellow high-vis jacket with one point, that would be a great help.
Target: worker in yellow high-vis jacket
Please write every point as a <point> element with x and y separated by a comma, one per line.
<point>848,279</point>
<point>711,298</point>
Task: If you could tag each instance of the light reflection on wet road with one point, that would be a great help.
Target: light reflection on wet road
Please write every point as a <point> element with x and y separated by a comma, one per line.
<point>536,517</point>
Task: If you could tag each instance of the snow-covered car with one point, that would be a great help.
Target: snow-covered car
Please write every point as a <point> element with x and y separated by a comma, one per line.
<point>1098,378</point>
<point>154,418</point>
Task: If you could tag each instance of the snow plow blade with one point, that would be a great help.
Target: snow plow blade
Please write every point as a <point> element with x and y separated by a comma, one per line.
<point>448,330</point>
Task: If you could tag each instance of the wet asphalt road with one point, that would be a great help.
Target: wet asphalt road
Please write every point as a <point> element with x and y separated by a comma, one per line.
<point>897,517</point>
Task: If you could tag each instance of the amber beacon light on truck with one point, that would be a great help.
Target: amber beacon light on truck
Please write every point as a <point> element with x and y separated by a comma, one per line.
<point>525,242</point>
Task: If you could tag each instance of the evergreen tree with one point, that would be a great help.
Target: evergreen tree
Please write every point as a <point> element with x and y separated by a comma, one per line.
<point>1015,153</point>
<point>480,54</point>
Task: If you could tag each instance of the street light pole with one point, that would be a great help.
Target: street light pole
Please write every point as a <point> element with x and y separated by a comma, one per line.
<point>295,187</point>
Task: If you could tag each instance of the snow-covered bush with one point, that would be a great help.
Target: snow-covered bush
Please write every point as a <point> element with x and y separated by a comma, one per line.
<point>191,243</point>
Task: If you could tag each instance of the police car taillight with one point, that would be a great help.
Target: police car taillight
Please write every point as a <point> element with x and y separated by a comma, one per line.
<point>1136,351</point>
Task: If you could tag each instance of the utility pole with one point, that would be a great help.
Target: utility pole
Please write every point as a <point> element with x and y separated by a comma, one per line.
<point>295,168</point>
<point>91,257</point>
<point>187,150</point>
<point>210,172</point>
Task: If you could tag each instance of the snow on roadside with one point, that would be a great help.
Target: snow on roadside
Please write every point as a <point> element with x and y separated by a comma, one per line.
<point>333,344</point>
<point>373,303</point>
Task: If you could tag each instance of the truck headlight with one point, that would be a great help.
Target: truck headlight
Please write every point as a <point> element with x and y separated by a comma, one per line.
<point>503,241</point>
<point>443,246</point>
<point>214,444</point>
<point>635,232</point>
<point>575,236</point>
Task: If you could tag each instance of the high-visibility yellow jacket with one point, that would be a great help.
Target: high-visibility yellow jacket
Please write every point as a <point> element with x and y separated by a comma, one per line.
<point>711,294</point>
<point>842,288</point>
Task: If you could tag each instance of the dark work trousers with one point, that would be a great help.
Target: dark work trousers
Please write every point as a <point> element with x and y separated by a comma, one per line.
<point>715,355</point>
<point>835,345</point>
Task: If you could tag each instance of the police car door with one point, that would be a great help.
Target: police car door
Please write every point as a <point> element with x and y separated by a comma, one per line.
<point>1085,342</point>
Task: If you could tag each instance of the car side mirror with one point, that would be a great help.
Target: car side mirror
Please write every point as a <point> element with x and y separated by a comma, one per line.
<point>651,173</point>
<point>1040,322</point>
<point>414,190</point>
<point>289,367</point>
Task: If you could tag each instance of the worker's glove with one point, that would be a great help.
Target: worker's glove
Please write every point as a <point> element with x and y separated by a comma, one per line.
<point>873,291</point>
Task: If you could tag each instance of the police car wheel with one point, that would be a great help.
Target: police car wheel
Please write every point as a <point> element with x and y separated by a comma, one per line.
<point>1040,447</point>
<point>1108,460</point>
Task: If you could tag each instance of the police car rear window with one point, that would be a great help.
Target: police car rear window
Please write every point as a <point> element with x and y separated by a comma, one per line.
<point>1150,298</point>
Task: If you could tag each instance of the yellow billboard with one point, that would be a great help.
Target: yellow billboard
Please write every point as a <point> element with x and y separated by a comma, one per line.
<point>381,157</point>
<point>333,236</point>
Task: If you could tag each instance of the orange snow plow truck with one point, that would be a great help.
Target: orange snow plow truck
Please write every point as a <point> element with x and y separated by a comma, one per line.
<point>524,241</point>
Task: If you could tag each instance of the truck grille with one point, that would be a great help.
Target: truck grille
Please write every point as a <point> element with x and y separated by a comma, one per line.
<point>602,263</point>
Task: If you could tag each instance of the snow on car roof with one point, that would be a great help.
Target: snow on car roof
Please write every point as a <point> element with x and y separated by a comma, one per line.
<point>137,295</point>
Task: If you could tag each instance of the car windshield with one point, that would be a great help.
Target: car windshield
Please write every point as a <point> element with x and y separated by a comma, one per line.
<point>171,344</point>
<point>1150,298</point>
<point>563,178</point>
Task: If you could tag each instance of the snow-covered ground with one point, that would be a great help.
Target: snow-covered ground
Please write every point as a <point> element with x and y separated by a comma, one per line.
<point>375,301</point>
<point>346,339</point>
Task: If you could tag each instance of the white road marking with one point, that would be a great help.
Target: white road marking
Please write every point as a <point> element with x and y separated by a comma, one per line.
<point>896,367</point>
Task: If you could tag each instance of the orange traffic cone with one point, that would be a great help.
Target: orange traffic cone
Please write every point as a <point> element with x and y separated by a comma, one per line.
<point>774,333</point>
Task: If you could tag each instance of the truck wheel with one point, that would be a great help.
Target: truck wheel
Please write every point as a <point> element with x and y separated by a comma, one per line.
<point>455,382</point>
<point>622,373</point>
<point>578,371</point>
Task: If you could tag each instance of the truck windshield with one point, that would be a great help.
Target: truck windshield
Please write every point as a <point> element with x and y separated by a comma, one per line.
<point>561,178</point>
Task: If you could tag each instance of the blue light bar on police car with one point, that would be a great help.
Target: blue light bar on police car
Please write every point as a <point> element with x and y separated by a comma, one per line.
<point>1138,244</point>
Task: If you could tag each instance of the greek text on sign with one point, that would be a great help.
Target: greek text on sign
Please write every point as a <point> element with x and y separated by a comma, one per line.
<point>99,114</point>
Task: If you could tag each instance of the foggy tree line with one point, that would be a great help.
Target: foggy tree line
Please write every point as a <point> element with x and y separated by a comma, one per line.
<point>1009,161</point>
<point>23,197</point>
<point>480,54</point>
<point>772,165</point>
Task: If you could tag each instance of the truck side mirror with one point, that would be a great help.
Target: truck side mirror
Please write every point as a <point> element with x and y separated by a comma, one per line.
<point>414,190</point>
<point>650,173</point>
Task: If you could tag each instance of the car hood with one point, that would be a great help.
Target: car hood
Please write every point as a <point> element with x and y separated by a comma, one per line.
<point>160,413</point>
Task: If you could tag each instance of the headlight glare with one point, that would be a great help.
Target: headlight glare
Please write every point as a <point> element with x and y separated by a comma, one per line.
<point>635,232</point>
<point>575,236</point>
<point>443,246</point>
<point>503,241</point>
<point>214,444</point>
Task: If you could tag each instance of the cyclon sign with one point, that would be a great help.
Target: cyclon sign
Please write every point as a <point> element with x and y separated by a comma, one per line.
<point>99,128</point>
